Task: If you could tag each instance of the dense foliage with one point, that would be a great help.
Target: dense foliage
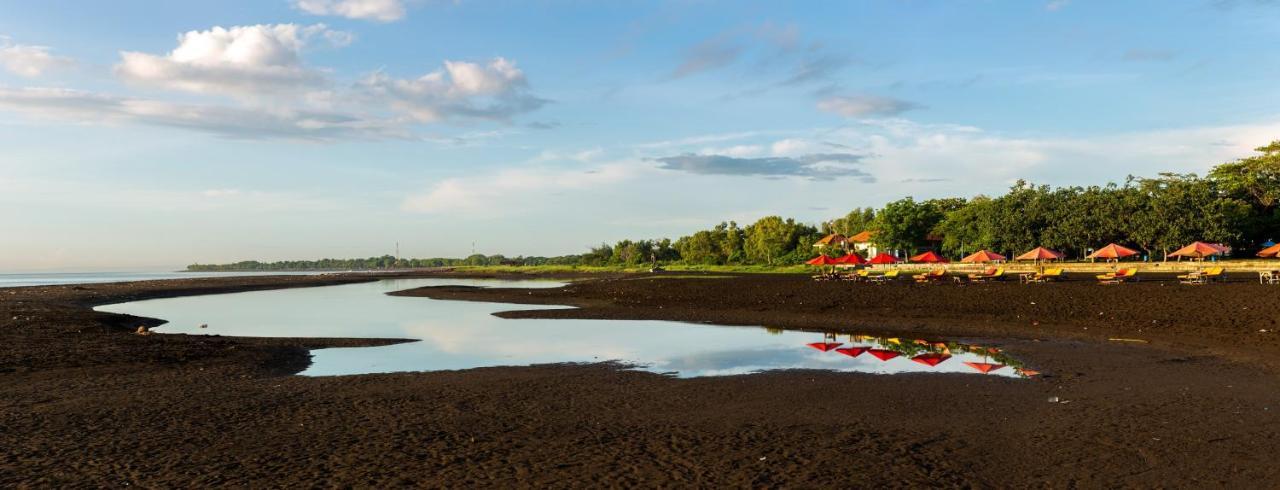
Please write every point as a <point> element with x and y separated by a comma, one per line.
<point>1238,204</point>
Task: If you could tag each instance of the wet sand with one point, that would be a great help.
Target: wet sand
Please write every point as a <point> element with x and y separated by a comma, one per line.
<point>84,402</point>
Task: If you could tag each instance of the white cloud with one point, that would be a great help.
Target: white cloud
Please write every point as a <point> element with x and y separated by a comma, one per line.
<point>864,105</point>
<point>792,147</point>
<point>496,91</point>
<point>515,189</point>
<point>78,106</point>
<point>941,159</point>
<point>582,156</point>
<point>30,61</point>
<point>241,60</point>
<point>376,10</point>
<point>737,151</point>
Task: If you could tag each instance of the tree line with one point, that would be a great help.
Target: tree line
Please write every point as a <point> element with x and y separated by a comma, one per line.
<point>1237,203</point>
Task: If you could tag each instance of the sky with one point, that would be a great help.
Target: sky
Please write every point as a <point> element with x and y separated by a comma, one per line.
<point>150,135</point>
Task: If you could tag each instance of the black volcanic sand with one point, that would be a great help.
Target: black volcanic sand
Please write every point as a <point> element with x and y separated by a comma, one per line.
<point>84,402</point>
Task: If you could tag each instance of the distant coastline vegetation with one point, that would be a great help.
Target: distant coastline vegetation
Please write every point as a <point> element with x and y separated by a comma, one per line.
<point>1235,204</point>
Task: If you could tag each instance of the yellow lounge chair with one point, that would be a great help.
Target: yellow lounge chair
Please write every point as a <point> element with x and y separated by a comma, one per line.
<point>982,275</point>
<point>861,275</point>
<point>991,274</point>
<point>886,277</point>
<point>1056,274</point>
<point>1215,274</point>
<point>1193,278</point>
<point>1117,277</point>
<point>1203,277</point>
<point>933,275</point>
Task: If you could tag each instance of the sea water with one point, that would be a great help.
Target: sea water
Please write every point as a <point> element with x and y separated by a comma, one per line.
<point>452,335</point>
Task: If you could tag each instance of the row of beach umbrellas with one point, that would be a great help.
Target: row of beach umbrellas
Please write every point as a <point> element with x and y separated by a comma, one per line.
<point>1196,250</point>
<point>931,359</point>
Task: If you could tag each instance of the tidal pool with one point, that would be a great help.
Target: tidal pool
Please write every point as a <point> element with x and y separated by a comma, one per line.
<point>462,335</point>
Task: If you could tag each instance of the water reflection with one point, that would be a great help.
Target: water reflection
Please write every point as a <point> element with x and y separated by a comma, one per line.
<point>977,358</point>
<point>463,335</point>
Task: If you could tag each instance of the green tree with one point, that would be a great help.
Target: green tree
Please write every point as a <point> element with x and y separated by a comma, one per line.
<point>1257,177</point>
<point>769,238</point>
<point>969,228</point>
<point>904,224</point>
<point>857,221</point>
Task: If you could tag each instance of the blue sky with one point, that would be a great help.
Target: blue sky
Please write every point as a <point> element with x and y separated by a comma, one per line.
<point>154,134</point>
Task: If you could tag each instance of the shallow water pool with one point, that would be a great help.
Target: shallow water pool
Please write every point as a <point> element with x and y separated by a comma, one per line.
<point>463,335</point>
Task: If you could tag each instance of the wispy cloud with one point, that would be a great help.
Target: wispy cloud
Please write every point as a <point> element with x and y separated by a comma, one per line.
<point>496,90</point>
<point>231,122</point>
<point>29,60</point>
<point>513,190</point>
<point>708,55</point>
<point>864,105</point>
<point>273,93</point>
<point>822,166</point>
<point>375,10</point>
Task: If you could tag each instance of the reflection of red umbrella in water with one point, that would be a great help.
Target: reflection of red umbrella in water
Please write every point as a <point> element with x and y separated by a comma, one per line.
<point>984,367</point>
<point>883,354</point>
<point>852,351</point>
<point>931,359</point>
<point>825,346</point>
<point>828,343</point>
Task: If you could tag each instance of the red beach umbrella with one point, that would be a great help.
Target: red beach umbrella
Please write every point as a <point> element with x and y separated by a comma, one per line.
<point>984,367</point>
<point>883,258</point>
<point>851,259</point>
<point>929,257</point>
<point>883,354</point>
<point>1112,252</point>
<point>1040,253</point>
<point>1198,250</point>
<point>930,360</point>
<point>1272,251</point>
<point>852,351</point>
<point>822,260</point>
<point>825,346</point>
<point>983,256</point>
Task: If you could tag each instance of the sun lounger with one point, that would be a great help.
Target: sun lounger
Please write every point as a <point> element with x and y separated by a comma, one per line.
<point>1193,278</point>
<point>861,275</point>
<point>825,276</point>
<point>886,277</point>
<point>1215,274</point>
<point>1057,274</point>
<point>976,277</point>
<point>991,274</point>
<point>1117,277</point>
<point>933,275</point>
<point>1269,277</point>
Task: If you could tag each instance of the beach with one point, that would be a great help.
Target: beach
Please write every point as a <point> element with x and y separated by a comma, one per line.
<point>1142,384</point>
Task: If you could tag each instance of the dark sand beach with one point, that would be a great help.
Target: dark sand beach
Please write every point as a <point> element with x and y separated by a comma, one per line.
<point>1188,399</point>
